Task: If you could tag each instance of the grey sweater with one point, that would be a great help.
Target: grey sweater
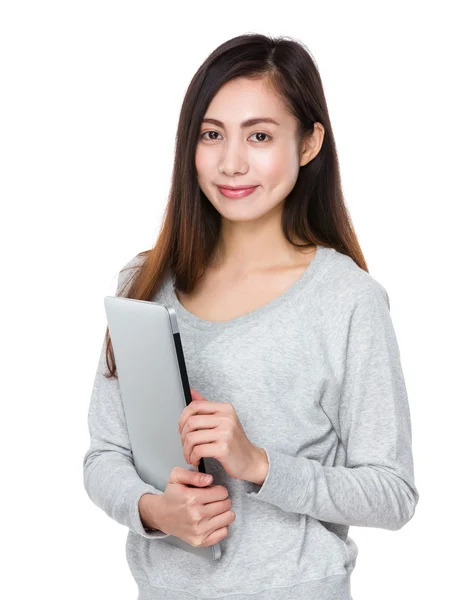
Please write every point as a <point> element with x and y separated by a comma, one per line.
<point>316,380</point>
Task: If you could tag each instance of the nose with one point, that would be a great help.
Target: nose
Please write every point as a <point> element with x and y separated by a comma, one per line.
<point>233,159</point>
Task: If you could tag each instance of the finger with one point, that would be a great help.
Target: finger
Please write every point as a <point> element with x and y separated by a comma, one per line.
<point>199,407</point>
<point>197,395</point>
<point>203,451</point>
<point>196,439</point>
<point>197,422</point>
<point>191,409</point>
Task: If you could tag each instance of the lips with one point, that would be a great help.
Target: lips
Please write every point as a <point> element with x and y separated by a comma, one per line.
<point>236,189</point>
<point>236,192</point>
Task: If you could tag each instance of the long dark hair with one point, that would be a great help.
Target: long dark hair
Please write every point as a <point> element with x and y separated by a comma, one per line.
<point>315,209</point>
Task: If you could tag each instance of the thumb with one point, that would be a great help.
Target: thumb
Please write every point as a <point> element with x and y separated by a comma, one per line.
<point>187,477</point>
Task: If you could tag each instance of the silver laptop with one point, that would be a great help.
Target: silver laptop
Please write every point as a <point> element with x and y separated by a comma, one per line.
<point>154,388</point>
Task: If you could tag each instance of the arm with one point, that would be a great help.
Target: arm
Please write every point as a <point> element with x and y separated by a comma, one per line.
<point>110,478</point>
<point>376,486</point>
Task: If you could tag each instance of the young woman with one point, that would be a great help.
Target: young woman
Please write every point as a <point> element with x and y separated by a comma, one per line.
<point>300,409</point>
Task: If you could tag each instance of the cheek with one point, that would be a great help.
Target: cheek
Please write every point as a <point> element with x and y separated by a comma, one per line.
<point>206,171</point>
<point>200,162</point>
<point>205,156</point>
<point>279,168</point>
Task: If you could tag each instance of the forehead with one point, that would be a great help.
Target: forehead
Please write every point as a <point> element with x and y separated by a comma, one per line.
<point>243,99</point>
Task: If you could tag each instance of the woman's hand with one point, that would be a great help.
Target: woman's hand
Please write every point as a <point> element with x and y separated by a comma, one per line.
<point>213,430</point>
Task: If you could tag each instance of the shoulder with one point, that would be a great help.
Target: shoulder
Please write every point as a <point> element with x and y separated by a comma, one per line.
<point>127,272</point>
<point>345,285</point>
<point>135,261</point>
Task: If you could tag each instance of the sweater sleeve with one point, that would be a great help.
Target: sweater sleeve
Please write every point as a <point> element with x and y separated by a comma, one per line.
<point>371,417</point>
<point>110,478</point>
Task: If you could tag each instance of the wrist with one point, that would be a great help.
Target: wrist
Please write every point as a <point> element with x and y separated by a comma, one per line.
<point>149,509</point>
<point>264,467</point>
<point>260,467</point>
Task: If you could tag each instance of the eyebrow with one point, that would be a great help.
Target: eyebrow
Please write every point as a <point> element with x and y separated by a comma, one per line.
<point>248,123</point>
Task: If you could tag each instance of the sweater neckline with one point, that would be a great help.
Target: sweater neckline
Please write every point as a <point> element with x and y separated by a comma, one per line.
<point>312,271</point>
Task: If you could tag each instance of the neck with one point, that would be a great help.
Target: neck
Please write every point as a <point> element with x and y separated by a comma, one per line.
<point>247,247</point>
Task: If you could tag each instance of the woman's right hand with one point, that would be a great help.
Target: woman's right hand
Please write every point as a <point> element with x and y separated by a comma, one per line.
<point>198,515</point>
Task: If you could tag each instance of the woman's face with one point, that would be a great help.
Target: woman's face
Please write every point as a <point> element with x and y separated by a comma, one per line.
<point>262,154</point>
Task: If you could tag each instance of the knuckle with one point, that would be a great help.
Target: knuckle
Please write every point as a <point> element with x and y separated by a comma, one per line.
<point>191,498</point>
<point>196,518</point>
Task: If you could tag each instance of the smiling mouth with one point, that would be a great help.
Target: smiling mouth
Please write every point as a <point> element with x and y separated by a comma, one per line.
<point>236,193</point>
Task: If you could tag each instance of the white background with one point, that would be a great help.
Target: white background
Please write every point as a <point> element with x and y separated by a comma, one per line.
<point>90,98</point>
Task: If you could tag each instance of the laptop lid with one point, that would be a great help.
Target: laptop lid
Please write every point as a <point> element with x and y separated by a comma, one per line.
<point>155,389</point>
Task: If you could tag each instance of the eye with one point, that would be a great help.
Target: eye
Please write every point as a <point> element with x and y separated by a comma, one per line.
<point>262,133</point>
<point>205,133</point>
<point>257,133</point>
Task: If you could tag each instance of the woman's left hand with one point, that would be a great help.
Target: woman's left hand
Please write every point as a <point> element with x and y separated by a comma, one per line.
<point>213,430</point>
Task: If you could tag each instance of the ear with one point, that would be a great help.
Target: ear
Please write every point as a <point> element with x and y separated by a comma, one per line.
<point>312,144</point>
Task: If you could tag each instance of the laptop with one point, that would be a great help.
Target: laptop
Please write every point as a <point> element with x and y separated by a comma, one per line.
<point>155,389</point>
